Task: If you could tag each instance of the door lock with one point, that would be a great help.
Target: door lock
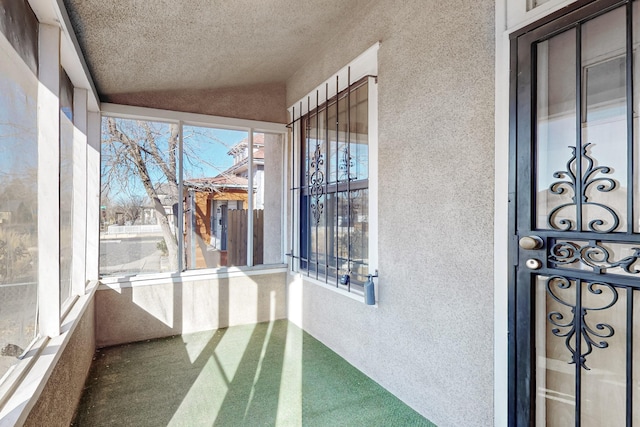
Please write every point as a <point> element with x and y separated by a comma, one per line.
<point>533,264</point>
<point>531,243</point>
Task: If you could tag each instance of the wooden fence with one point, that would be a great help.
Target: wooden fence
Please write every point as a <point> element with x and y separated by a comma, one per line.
<point>237,225</point>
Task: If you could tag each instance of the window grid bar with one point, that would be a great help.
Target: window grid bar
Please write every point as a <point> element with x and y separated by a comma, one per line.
<point>326,185</point>
<point>360,184</point>
<point>307,176</point>
<point>630,133</point>
<point>349,174</point>
<point>293,194</point>
<point>578,365</point>
<point>181,258</point>
<point>578,124</point>
<point>336,199</point>
<point>318,163</point>
<point>629,373</point>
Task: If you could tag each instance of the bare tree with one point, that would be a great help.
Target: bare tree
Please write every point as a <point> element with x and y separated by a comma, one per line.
<point>142,153</point>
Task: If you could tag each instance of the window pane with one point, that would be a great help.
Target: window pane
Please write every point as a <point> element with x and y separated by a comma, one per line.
<point>139,198</point>
<point>66,185</point>
<point>348,244</point>
<point>18,207</point>
<point>343,160</point>
<point>359,235</point>
<point>304,232</point>
<point>333,159</point>
<point>604,127</point>
<point>318,255</point>
<point>216,197</point>
<point>334,265</point>
<point>359,133</point>
<point>556,126</point>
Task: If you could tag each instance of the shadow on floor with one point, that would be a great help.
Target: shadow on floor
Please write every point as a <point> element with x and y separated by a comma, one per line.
<point>268,374</point>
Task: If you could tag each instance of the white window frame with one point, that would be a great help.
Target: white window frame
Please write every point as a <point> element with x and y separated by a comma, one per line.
<point>365,65</point>
<point>201,120</point>
<point>57,48</point>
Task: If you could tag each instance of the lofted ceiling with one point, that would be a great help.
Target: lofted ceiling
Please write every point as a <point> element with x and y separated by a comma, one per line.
<point>143,46</point>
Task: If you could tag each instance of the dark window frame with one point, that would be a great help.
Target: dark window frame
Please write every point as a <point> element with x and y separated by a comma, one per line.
<point>335,267</point>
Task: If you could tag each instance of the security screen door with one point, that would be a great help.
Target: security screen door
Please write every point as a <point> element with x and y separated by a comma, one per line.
<point>575,183</point>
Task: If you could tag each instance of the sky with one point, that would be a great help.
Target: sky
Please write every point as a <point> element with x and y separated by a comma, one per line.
<point>205,151</point>
<point>211,147</point>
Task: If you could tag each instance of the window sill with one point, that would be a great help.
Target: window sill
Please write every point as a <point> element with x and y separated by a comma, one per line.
<point>355,294</point>
<point>33,371</point>
<point>119,282</point>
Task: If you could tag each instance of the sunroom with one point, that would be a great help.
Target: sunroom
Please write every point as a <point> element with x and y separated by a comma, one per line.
<point>410,200</point>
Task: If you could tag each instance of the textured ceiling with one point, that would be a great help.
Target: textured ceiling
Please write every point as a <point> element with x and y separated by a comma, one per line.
<point>160,45</point>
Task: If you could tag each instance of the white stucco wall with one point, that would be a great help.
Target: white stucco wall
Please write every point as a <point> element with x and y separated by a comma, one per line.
<point>430,340</point>
<point>151,308</point>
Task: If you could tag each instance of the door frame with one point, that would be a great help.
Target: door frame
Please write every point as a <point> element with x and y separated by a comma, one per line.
<point>520,398</point>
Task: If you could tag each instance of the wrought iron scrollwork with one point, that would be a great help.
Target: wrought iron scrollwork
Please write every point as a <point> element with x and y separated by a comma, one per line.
<point>577,328</point>
<point>316,184</point>
<point>594,255</point>
<point>345,165</point>
<point>591,178</point>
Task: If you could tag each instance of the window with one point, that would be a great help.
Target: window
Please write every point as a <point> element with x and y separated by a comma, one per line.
<point>146,203</point>
<point>332,179</point>
<point>139,197</point>
<point>216,194</point>
<point>222,184</point>
<point>334,188</point>
<point>18,205</point>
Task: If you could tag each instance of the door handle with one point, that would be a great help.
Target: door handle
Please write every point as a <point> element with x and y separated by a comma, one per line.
<point>531,243</point>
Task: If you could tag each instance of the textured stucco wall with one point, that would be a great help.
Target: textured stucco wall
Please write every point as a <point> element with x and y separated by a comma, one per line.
<point>430,341</point>
<point>61,394</point>
<point>143,312</point>
<point>264,102</point>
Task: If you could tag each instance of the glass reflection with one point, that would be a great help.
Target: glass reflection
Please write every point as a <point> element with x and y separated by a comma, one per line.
<point>66,186</point>
<point>139,197</point>
<point>18,207</point>
<point>583,188</point>
<point>605,122</point>
<point>555,375</point>
<point>556,118</point>
<point>216,171</point>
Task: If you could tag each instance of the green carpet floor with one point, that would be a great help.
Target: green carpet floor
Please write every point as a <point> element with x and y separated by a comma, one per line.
<point>269,374</point>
